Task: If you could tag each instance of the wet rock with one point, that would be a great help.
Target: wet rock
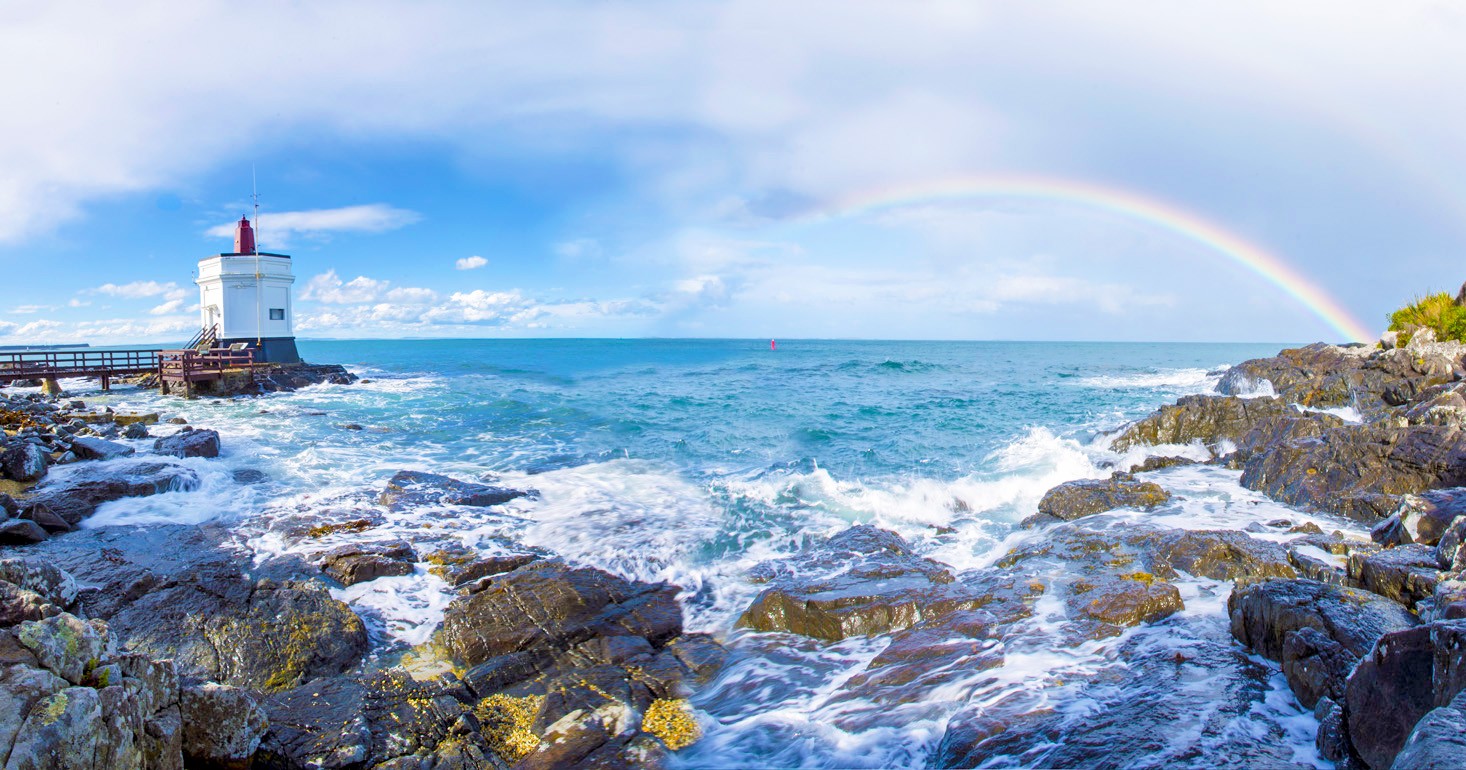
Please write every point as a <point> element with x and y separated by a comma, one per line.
<point>1129,600</point>
<point>862,581</point>
<point>189,443</point>
<point>1390,532</point>
<point>24,462</point>
<point>249,476</point>
<point>222,726</point>
<point>8,507</point>
<point>92,448</point>
<point>1156,463</point>
<point>1220,554</point>
<point>700,654</point>
<point>284,635</point>
<point>1388,693</point>
<point>64,644</point>
<point>1427,516</point>
<point>1332,739</point>
<point>21,532</point>
<point>321,723</point>
<point>1314,563</point>
<point>410,489</point>
<point>1074,499</point>
<point>1264,613</point>
<point>81,493</point>
<point>1449,547</point>
<point>1448,671</point>
<point>63,729</point>
<point>1315,666</point>
<point>461,573</point>
<point>1315,375</point>
<point>352,564</point>
<point>1406,573</point>
<point>1208,419</point>
<point>47,581</point>
<point>135,430</point>
<point>1359,471</point>
<point>564,607</point>
<point>1438,740</point>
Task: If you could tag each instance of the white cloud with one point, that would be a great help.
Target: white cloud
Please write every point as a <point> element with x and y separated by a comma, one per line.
<point>470,263</point>
<point>328,287</point>
<point>78,303</point>
<point>140,290</point>
<point>277,228</point>
<point>171,306</point>
<point>31,309</point>
<point>412,296</point>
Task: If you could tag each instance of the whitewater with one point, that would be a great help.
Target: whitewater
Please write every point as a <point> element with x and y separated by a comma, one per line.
<point>693,461</point>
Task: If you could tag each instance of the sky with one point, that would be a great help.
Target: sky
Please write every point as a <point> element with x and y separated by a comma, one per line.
<point>927,169</point>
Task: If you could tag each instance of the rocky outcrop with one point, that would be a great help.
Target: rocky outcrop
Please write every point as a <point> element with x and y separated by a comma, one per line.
<point>1207,419</point>
<point>352,564</point>
<point>68,697</point>
<point>189,442</point>
<point>222,726</point>
<point>412,489</point>
<point>862,581</point>
<point>82,492</point>
<point>177,592</point>
<point>1085,497</point>
<point>1438,740</point>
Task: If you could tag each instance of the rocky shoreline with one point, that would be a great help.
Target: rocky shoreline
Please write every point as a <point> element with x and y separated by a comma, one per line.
<point>173,645</point>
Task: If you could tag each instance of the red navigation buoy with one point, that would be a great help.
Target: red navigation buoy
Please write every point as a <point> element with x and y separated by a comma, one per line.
<point>773,345</point>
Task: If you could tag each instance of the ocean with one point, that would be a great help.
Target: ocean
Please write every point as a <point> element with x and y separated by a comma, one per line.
<point>691,461</point>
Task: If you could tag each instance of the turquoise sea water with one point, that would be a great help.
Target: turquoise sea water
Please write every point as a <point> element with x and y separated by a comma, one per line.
<point>692,460</point>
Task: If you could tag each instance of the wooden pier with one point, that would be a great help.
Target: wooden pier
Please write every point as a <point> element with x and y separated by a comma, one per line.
<point>175,368</point>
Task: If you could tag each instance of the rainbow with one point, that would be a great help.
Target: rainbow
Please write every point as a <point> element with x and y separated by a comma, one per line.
<point>1117,201</point>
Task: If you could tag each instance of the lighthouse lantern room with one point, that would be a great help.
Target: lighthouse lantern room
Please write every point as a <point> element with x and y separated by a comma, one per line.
<point>244,297</point>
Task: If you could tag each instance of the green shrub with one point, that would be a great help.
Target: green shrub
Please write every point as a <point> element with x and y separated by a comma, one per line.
<point>1435,311</point>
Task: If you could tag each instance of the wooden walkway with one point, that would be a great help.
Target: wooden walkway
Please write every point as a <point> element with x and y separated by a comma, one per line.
<point>174,368</point>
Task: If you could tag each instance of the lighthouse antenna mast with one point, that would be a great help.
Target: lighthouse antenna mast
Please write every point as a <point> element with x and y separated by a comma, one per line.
<point>254,185</point>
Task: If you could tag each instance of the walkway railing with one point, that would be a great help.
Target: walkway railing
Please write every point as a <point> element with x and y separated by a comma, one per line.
<point>179,363</point>
<point>37,365</point>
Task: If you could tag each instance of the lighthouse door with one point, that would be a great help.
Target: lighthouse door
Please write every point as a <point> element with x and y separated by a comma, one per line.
<point>212,321</point>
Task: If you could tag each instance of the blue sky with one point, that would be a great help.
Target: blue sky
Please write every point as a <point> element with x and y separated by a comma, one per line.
<point>650,168</point>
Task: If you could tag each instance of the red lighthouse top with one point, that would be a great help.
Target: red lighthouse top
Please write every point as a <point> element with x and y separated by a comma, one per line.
<point>244,237</point>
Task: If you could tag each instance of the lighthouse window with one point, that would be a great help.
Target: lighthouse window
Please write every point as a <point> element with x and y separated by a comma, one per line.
<point>277,314</point>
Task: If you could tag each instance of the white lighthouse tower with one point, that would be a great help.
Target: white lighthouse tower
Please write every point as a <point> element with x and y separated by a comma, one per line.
<point>244,297</point>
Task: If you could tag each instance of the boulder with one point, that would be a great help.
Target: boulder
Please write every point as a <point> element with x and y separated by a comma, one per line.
<point>1315,666</point>
<point>1208,419</point>
<point>1388,693</point>
<point>135,430</point>
<point>862,581</point>
<point>82,492</point>
<point>222,726</point>
<point>21,532</point>
<point>564,606</point>
<point>93,448</point>
<point>1428,515</point>
<point>24,462</point>
<point>1264,613</point>
<point>1360,471</point>
<point>64,644</point>
<point>1406,573</point>
<point>321,723</point>
<point>358,563</point>
<point>1437,742</point>
<point>1074,499</point>
<point>189,443</point>
<point>412,489</point>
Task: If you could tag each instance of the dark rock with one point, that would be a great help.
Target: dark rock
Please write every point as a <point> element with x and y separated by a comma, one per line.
<point>1316,666</point>
<point>1388,693</point>
<point>1220,554</point>
<point>862,581</point>
<point>249,476</point>
<point>1312,375</point>
<point>1438,741</point>
<point>92,448</point>
<point>135,430</point>
<point>222,726</point>
<point>321,723</point>
<point>189,443</point>
<point>1406,573</point>
<point>1360,470</point>
<point>352,564</point>
<point>1427,516</point>
<point>1448,672</point>
<point>1332,739</point>
<point>49,521</point>
<point>8,507</point>
<point>410,489</point>
<point>1449,547</point>
<point>477,569</point>
<point>1074,499</point>
<point>1129,600</point>
<point>564,607</point>
<point>24,462</point>
<point>1264,613</point>
<point>1156,463</point>
<point>1390,532</point>
<point>1208,419</point>
<point>21,532</point>
<point>81,493</point>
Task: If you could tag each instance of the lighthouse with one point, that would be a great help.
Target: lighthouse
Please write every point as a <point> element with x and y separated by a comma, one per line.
<point>244,297</point>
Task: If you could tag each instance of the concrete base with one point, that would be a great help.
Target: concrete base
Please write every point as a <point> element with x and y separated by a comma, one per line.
<point>271,350</point>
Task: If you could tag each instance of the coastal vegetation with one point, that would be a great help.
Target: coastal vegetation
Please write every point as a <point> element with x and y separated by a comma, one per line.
<point>1440,312</point>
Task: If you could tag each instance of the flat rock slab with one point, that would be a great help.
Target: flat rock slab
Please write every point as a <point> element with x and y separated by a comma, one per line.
<point>79,494</point>
<point>92,448</point>
<point>862,581</point>
<point>411,489</point>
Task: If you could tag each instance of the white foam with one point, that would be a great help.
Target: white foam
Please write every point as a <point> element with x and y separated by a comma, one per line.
<point>1188,380</point>
<point>1348,414</point>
